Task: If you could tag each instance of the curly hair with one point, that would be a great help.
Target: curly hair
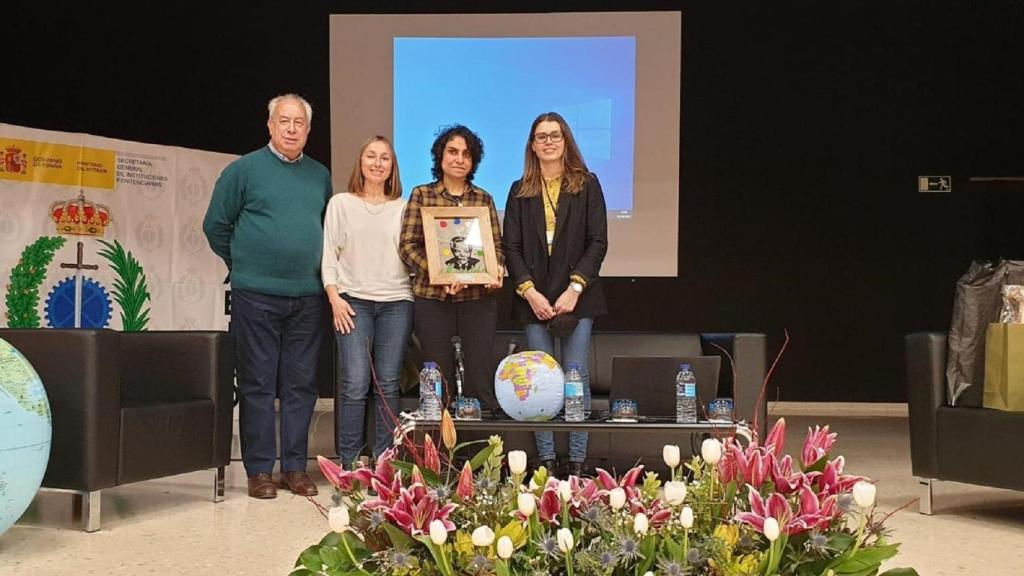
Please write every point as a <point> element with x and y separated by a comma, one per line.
<point>447,133</point>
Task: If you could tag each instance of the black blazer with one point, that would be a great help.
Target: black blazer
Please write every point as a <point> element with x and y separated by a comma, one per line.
<point>580,244</point>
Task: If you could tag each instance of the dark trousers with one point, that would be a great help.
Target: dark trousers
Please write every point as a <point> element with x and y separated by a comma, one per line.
<point>277,342</point>
<point>474,321</point>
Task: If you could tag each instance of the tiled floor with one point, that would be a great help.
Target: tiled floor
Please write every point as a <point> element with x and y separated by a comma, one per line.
<point>171,525</point>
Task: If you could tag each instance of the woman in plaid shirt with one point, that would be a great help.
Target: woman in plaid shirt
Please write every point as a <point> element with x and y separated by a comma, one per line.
<point>444,311</point>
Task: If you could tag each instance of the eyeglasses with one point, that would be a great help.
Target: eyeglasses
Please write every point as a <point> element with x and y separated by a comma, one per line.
<point>542,137</point>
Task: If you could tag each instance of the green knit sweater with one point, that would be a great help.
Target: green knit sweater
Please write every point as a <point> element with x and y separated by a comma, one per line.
<point>265,221</point>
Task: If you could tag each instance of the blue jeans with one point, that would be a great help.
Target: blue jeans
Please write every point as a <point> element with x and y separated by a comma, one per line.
<point>277,344</point>
<point>382,330</point>
<point>575,348</point>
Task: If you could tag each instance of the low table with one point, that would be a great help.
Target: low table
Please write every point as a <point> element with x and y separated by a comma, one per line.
<point>410,423</point>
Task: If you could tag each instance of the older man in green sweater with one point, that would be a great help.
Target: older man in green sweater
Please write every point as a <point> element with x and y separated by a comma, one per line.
<point>265,221</point>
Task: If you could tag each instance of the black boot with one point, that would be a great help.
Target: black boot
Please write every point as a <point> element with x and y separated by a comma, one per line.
<point>576,468</point>
<point>552,467</point>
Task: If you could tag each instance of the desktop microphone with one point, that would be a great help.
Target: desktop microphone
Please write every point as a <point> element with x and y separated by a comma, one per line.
<point>460,369</point>
<point>513,343</point>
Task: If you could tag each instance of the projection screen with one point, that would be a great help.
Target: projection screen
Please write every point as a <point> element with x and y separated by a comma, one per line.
<point>615,77</point>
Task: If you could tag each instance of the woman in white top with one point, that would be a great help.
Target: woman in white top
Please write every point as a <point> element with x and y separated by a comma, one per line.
<point>370,295</point>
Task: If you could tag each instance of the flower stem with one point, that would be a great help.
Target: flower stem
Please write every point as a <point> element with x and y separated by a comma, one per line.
<point>568,563</point>
<point>352,556</point>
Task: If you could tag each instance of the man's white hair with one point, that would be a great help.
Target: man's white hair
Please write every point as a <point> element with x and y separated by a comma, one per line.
<point>277,100</point>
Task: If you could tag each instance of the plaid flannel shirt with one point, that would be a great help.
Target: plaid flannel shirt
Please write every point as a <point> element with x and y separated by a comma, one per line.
<point>411,242</point>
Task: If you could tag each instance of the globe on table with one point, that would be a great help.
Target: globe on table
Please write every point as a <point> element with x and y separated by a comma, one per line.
<point>25,431</point>
<point>530,386</point>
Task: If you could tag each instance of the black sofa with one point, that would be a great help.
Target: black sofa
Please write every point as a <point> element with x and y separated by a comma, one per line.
<point>964,443</point>
<point>619,450</point>
<point>131,406</point>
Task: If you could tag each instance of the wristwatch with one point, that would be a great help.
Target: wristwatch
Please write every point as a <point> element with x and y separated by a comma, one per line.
<point>576,287</point>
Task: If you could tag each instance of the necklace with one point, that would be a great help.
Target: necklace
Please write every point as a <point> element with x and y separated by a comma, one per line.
<point>366,206</point>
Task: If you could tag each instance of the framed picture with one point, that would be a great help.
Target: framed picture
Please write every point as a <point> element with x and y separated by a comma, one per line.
<point>460,245</point>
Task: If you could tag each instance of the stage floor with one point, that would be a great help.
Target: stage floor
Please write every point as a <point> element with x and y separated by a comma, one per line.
<point>166,525</point>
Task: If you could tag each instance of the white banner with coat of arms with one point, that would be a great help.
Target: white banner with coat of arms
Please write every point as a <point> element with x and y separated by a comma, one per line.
<point>64,194</point>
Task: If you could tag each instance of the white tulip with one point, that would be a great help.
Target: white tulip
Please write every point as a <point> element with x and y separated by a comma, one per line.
<point>675,492</point>
<point>338,519</point>
<point>483,536</point>
<point>671,455</point>
<point>565,542</point>
<point>864,494</point>
<point>617,498</point>
<point>505,548</point>
<point>438,533</point>
<point>686,517</point>
<point>640,524</point>
<point>771,529</point>
<point>648,573</point>
<point>517,461</point>
<point>533,485</point>
<point>564,490</point>
<point>527,504</point>
<point>711,451</point>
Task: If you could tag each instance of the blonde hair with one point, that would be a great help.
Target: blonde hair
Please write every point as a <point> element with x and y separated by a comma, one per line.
<point>392,186</point>
<point>574,169</point>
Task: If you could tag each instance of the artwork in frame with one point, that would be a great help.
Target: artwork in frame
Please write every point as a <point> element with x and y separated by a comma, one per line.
<point>460,245</point>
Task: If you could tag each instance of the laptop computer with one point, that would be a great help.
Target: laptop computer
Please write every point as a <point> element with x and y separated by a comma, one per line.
<point>651,382</point>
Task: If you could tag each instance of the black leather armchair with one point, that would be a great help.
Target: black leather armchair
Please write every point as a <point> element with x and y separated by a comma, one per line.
<point>131,406</point>
<point>963,443</point>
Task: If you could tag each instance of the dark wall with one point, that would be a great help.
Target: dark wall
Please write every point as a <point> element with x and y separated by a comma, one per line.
<point>804,127</point>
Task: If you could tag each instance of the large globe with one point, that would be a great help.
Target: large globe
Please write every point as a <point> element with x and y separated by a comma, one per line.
<point>25,430</point>
<point>530,386</point>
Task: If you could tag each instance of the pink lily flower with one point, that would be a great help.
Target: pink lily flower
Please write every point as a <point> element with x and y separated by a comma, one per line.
<point>817,445</point>
<point>431,459</point>
<point>657,513</point>
<point>384,470</point>
<point>776,438</point>
<point>549,505</point>
<point>786,481</point>
<point>606,482</point>
<point>760,510</point>
<point>831,480</point>
<point>416,509</point>
<point>465,487</point>
<point>387,494</point>
<point>343,480</point>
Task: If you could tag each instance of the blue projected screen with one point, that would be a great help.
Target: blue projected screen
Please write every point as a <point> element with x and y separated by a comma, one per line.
<point>497,86</point>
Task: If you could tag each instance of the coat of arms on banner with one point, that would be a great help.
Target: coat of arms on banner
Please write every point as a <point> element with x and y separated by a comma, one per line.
<point>77,301</point>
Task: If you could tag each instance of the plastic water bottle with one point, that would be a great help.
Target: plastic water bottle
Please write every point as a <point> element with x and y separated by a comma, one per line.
<point>430,392</point>
<point>686,396</point>
<point>574,394</point>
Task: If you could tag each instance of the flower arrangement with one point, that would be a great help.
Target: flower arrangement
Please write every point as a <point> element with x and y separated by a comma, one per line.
<point>735,510</point>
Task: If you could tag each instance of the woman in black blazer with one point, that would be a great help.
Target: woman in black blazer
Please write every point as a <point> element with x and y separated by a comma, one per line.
<point>555,239</point>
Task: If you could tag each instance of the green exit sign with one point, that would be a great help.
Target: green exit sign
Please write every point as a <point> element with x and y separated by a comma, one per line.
<point>934,183</point>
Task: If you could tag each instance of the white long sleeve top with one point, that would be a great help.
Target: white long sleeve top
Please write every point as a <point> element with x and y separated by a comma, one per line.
<point>360,254</point>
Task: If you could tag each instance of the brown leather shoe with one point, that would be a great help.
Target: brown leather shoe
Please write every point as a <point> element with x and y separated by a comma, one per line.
<point>298,482</point>
<point>262,486</point>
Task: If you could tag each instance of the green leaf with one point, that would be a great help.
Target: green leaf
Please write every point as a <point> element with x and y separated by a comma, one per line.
<point>399,539</point>
<point>302,572</point>
<point>900,572</point>
<point>310,558</point>
<point>674,549</point>
<point>406,467</point>
<point>647,547</point>
<point>481,457</point>
<point>331,539</point>
<point>866,558</point>
<point>333,558</point>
